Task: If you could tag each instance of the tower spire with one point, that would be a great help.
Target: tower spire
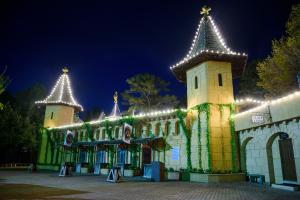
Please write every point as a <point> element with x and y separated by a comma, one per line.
<point>62,93</point>
<point>115,111</point>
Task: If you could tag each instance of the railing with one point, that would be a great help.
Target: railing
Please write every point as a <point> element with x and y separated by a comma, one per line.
<point>14,165</point>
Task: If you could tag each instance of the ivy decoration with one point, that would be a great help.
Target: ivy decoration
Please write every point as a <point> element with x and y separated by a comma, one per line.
<point>232,131</point>
<point>187,134</point>
<point>221,109</point>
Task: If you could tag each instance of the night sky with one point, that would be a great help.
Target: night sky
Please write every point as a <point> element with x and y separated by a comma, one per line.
<point>105,42</point>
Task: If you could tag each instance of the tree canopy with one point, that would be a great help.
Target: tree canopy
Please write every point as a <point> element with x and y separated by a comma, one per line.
<point>20,124</point>
<point>278,72</point>
<point>148,92</point>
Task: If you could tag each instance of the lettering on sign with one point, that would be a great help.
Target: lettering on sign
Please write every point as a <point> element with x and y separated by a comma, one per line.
<point>257,119</point>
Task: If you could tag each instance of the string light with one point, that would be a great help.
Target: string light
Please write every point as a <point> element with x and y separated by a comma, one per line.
<point>111,119</point>
<point>191,55</point>
<point>267,103</point>
<point>52,99</point>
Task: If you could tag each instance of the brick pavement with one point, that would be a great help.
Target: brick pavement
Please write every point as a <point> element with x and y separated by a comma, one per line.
<point>132,189</point>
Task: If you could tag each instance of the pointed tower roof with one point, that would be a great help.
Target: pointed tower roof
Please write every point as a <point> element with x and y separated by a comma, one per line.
<point>62,93</point>
<point>115,111</point>
<point>208,44</point>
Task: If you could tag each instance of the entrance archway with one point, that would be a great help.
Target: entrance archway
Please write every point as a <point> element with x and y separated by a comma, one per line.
<point>287,159</point>
<point>244,154</point>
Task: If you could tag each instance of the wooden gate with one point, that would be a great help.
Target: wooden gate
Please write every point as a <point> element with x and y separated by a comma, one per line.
<point>287,160</point>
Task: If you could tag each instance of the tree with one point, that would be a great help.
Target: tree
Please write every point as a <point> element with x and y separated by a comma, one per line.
<point>92,114</point>
<point>20,124</point>
<point>148,92</point>
<point>248,82</point>
<point>278,72</point>
<point>4,81</point>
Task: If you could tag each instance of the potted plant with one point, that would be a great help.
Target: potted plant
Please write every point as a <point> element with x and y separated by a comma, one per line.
<point>131,171</point>
<point>173,175</point>
<point>104,168</point>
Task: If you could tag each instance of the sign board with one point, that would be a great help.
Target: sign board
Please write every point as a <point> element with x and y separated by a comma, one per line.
<point>127,133</point>
<point>63,170</point>
<point>175,153</point>
<point>69,138</point>
<point>257,119</point>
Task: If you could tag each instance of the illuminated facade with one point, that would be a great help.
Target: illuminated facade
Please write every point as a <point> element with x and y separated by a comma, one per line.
<point>200,139</point>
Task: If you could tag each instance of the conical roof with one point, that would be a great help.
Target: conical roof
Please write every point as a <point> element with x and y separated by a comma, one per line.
<point>208,44</point>
<point>116,110</point>
<point>62,93</point>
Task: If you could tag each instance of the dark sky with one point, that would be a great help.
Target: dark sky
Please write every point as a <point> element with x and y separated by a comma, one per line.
<point>105,42</point>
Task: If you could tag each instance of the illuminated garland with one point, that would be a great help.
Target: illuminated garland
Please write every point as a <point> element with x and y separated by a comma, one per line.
<point>233,143</point>
<point>221,109</point>
<point>187,134</point>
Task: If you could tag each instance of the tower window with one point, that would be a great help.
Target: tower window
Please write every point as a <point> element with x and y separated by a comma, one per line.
<point>196,82</point>
<point>51,117</point>
<point>220,79</point>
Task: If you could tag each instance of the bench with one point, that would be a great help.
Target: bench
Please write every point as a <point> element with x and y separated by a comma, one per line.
<point>256,178</point>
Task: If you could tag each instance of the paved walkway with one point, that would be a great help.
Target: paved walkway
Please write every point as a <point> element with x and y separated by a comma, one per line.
<point>132,189</point>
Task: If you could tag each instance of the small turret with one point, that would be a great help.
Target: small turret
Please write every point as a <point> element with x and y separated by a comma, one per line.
<point>60,104</point>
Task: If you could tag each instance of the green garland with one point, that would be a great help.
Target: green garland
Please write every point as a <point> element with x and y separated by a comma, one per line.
<point>232,131</point>
<point>205,107</point>
<point>221,109</point>
<point>187,134</point>
<point>199,139</point>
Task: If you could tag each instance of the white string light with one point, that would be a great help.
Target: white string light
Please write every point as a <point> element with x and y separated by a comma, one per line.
<point>141,115</point>
<point>189,56</point>
<point>272,102</point>
<point>63,79</point>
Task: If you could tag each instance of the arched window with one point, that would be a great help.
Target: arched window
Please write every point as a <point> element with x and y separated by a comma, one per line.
<point>196,82</point>
<point>117,133</point>
<point>176,128</point>
<point>103,134</point>
<point>138,131</point>
<point>220,79</point>
<point>97,134</point>
<point>167,129</point>
<point>149,130</point>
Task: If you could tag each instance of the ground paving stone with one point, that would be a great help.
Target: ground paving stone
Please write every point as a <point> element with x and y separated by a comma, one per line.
<point>137,189</point>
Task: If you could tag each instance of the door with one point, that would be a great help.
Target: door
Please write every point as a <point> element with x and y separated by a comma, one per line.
<point>287,160</point>
<point>146,157</point>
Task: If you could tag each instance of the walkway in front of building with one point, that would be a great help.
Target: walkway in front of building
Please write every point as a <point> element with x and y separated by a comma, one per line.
<point>132,189</point>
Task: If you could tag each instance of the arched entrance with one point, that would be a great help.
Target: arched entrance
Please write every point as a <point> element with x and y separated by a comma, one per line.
<point>287,159</point>
<point>244,155</point>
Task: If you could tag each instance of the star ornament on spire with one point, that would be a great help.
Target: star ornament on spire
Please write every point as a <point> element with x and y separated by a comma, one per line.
<point>65,70</point>
<point>205,11</point>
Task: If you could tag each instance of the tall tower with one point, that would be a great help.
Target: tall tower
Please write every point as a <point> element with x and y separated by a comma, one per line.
<point>60,104</point>
<point>208,70</point>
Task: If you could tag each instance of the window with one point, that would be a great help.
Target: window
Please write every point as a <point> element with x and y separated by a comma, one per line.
<point>83,157</point>
<point>196,82</point>
<point>117,133</point>
<point>149,130</point>
<point>103,134</point>
<point>121,156</point>
<point>51,115</point>
<point>100,157</point>
<point>220,79</point>
<point>157,129</point>
<point>177,128</point>
<point>167,129</point>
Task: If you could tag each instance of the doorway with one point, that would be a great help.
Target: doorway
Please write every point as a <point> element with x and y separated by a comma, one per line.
<point>287,160</point>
